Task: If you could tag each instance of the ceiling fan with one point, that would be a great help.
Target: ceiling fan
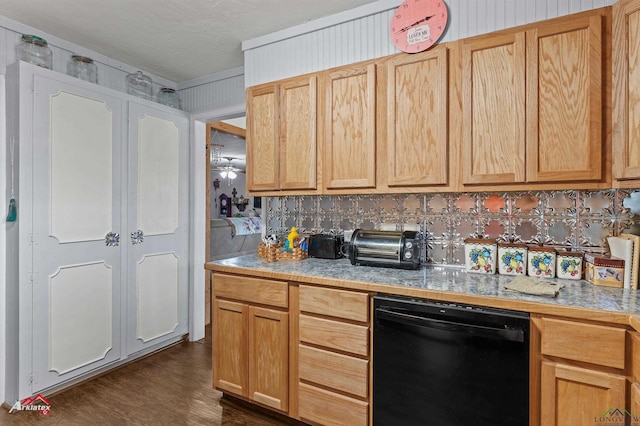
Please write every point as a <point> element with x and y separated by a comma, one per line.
<point>227,171</point>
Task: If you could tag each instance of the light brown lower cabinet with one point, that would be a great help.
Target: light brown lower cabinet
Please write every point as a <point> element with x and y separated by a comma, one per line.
<point>250,342</point>
<point>333,356</point>
<point>331,408</point>
<point>584,368</point>
<point>576,396</point>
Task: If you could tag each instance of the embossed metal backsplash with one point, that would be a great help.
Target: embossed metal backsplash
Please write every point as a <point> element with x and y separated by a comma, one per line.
<point>580,220</point>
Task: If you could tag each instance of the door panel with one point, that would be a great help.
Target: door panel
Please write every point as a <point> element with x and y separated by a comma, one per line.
<point>81,163</point>
<point>78,343</point>
<point>158,176</point>
<point>158,296</point>
<point>157,238</point>
<point>76,275</point>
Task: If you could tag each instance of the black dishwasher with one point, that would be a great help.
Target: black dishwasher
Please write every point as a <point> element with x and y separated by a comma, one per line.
<point>437,363</point>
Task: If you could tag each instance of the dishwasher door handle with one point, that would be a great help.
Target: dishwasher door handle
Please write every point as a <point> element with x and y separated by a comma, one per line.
<point>420,321</point>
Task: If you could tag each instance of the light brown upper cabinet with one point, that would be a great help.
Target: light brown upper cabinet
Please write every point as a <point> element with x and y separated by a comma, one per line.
<point>564,100</point>
<point>493,109</point>
<point>414,119</point>
<point>533,103</point>
<point>626,90</point>
<point>348,111</point>
<point>281,135</point>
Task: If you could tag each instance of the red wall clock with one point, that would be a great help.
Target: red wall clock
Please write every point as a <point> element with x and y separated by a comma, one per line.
<point>418,24</point>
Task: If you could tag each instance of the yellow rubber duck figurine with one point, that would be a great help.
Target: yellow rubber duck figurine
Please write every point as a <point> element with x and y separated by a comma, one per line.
<point>293,235</point>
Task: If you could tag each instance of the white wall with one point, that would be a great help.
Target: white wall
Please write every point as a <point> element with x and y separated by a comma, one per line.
<point>3,211</point>
<point>362,33</point>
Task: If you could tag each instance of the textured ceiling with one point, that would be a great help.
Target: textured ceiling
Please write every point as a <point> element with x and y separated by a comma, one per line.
<point>176,39</point>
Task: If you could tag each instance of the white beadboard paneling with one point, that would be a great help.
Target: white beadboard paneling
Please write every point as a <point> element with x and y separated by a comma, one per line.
<point>214,94</point>
<point>367,37</point>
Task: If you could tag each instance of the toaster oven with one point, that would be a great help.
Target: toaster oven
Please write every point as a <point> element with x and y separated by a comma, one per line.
<point>393,249</point>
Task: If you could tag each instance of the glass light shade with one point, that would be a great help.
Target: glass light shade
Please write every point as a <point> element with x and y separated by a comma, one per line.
<point>228,174</point>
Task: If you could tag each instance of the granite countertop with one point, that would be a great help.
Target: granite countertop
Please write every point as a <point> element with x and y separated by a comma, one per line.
<point>434,280</point>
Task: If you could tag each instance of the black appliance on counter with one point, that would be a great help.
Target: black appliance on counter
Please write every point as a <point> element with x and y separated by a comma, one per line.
<point>449,364</point>
<point>393,249</point>
<point>325,246</point>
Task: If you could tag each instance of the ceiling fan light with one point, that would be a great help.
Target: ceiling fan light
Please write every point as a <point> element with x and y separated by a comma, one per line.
<point>232,174</point>
<point>223,174</point>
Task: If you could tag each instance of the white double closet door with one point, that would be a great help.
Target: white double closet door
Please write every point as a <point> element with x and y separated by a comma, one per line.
<point>110,229</point>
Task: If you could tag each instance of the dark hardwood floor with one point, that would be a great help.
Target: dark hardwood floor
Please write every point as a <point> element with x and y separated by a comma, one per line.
<point>171,387</point>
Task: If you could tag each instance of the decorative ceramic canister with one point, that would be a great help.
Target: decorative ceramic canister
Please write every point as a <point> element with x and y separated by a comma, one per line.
<point>541,261</point>
<point>512,258</point>
<point>480,255</point>
<point>569,265</point>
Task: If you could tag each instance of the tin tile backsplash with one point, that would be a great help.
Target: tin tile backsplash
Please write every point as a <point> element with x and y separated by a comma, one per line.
<point>580,220</point>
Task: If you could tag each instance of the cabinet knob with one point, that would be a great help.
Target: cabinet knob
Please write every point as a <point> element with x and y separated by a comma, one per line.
<point>112,239</point>
<point>137,237</point>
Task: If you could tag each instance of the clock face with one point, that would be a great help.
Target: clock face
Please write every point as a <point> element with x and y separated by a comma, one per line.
<point>223,202</point>
<point>418,24</point>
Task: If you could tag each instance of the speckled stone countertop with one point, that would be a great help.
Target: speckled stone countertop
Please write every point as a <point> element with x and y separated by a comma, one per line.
<point>444,282</point>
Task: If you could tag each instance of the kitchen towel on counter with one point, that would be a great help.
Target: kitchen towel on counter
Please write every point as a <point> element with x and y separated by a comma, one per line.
<point>534,285</point>
<point>623,249</point>
<point>635,265</point>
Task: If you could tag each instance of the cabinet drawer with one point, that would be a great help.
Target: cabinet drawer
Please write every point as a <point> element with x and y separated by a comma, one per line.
<point>596,344</point>
<point>349,305</point>
<point>255,290</point>
<point>333,370</point>
<point>635,357</point>
<point>331,409</point>
<point>335,335</point>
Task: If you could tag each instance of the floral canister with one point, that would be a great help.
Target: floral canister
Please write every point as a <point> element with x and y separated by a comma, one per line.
<point>569,265</point>
<point>541,261</point>
<point>480,255</point>
<point>512,258</point>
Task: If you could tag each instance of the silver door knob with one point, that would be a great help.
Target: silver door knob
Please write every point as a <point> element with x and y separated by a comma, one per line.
<point>112,239</point>
<point>137,237</point>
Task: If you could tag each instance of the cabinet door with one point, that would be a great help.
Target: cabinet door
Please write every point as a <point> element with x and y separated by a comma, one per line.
<point>493,109</point>
<point>349,118</point>
<point>269,357</point>
<point>626,89</point>
<point>262,138</point>
<point>416,119</point>
<point>575,396</point>
<point>564,100</point>
<point>157,234</point>
<point>298,119</point>
<point>230,349</point>
<point>635,401</point>
<point>76,205</point>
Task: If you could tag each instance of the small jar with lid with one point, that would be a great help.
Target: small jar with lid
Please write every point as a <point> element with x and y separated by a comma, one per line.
<point>139,85</point>
<point>34,50</point>
<point>83,68</point>
<point>169,97</point>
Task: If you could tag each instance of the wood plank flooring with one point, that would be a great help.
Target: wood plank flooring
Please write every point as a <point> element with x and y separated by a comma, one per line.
<point>172,387</point>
